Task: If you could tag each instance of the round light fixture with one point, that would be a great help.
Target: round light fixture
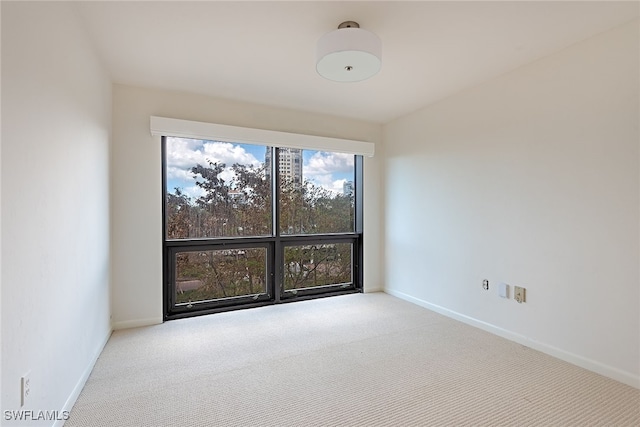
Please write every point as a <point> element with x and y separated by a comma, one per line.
<point>348,54</point>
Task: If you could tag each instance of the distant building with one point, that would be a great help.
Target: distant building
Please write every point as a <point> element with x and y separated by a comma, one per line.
<point>347,188</point>
<point>237,197</point>
<point>290,164</point>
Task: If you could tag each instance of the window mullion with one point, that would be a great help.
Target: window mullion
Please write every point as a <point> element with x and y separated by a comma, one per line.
<point>358,259</point>
<point>278,260</point>
<point>358,186</point>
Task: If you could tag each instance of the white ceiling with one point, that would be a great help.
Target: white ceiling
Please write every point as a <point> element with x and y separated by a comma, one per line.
<point>264,52</point>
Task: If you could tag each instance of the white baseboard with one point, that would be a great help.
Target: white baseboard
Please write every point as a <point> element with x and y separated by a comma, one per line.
<point>126,324</point>
<point>71,400</point>
<point>583,362</point>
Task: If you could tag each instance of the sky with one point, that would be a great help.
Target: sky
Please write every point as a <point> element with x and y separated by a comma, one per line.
<point>328,170</point>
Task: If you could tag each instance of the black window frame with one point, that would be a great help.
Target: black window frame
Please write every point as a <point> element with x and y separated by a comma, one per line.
<point>275,244</point>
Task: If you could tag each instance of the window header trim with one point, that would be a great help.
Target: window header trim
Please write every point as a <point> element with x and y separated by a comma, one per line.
<point>164,126</point>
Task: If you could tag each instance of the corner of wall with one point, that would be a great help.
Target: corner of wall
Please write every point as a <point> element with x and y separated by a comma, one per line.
<point>531,179</point>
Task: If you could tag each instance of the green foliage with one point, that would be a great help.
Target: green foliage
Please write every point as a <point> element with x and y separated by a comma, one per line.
<point>207,275</point>
<point>317,265</point>
<point>311,209</point>
<point>243,207</point>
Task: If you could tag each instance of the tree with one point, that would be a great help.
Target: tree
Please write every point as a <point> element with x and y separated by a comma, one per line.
<point>310,209</point>
<point>242,206</point>
<point>178,215</point>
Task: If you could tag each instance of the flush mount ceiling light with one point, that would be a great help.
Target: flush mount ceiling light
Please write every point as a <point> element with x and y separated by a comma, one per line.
<point>348,54</point>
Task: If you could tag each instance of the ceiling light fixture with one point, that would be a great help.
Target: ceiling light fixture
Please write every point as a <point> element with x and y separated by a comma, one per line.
<point>349,54</point>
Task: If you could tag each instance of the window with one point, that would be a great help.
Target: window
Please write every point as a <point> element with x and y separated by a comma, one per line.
<point>248,224</point>
<point>216,189</point>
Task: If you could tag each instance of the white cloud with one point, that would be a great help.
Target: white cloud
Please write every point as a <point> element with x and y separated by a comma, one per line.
<point>337,185</point>
<point>194,192</point>
<point>328,163</point>
<point>227,175</point>
<point>224,152</point>
<point>185,153</point>
<point>322,168</point>
<point>174,172</point>
<point>327,182</point>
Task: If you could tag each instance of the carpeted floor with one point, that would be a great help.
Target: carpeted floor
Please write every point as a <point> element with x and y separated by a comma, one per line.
<point>354,360</point>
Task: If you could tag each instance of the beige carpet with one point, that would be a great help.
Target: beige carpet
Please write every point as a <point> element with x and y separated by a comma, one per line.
<point>355,360</point>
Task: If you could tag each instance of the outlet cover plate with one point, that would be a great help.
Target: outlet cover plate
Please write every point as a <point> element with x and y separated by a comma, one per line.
<point>503,290</point>
<point>25,388</point>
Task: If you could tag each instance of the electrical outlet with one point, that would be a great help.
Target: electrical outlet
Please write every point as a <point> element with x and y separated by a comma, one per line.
<point>485,284</point>
<point>25,388</point>
<point>503,290</point>
<point>519,294</point>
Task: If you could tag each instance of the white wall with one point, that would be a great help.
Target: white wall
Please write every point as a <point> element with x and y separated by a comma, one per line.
<point>137,189</point>
<point>56,119</point>
<point>531,179</point>
<point>0,218</point>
